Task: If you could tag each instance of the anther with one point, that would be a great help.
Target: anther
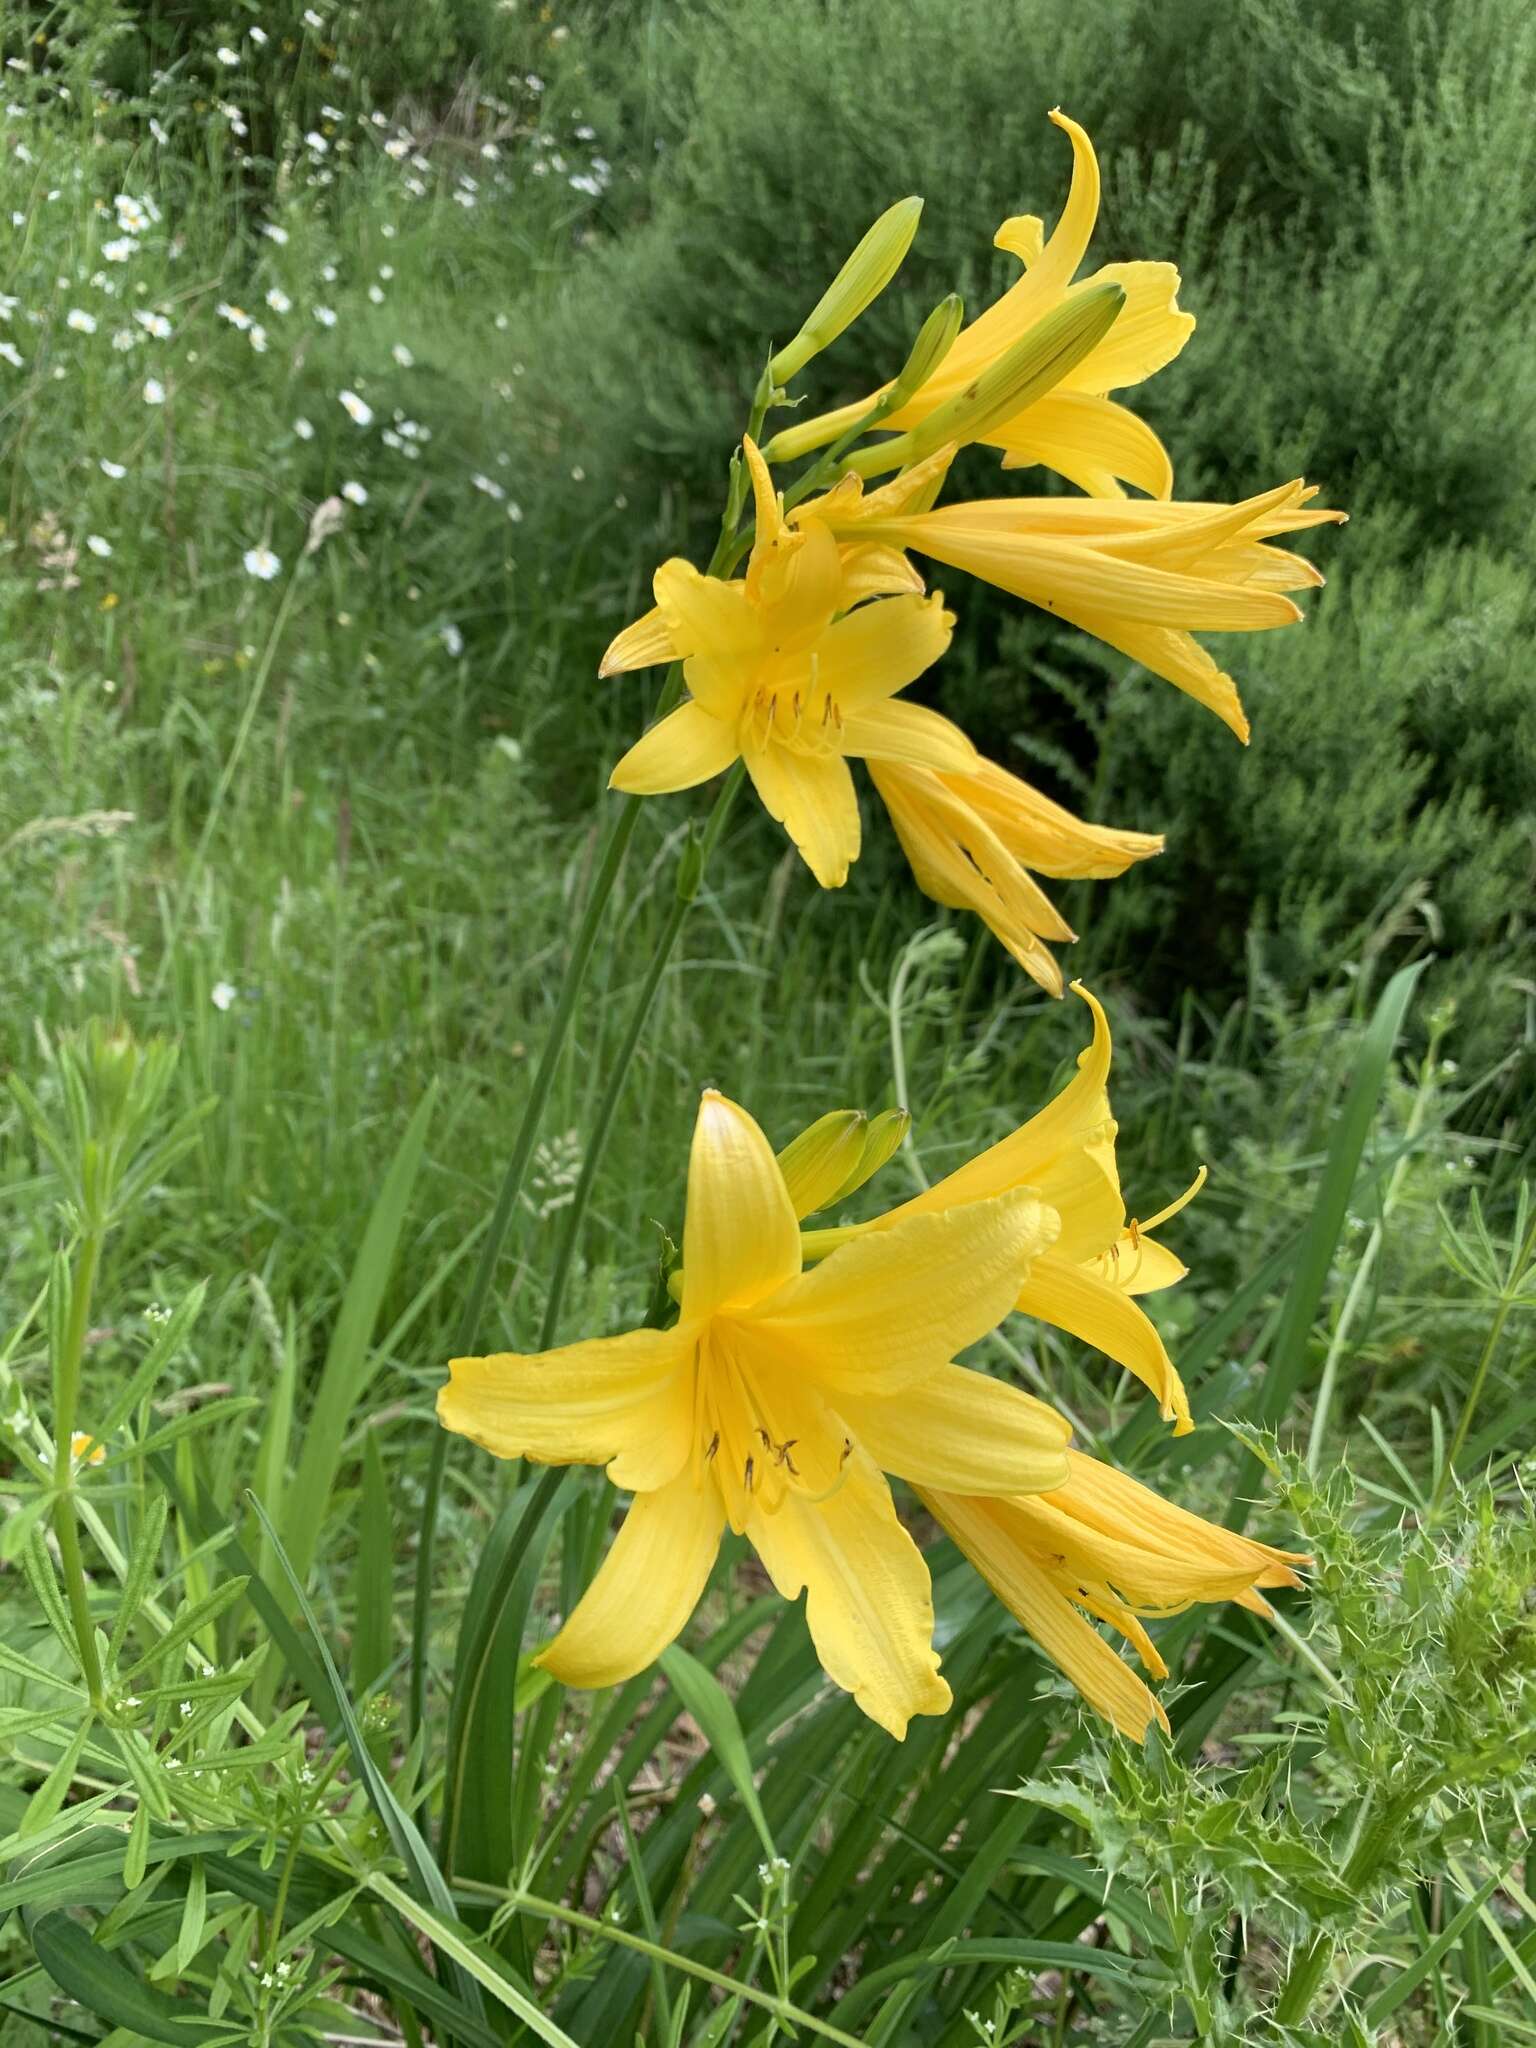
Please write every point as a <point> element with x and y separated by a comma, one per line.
<point>786,1460</point>
<point>747,1477</point>
<point>714,1445</point>
<point>847,1452</point>
<point>1134,1229</point>
<point>764,1438</point>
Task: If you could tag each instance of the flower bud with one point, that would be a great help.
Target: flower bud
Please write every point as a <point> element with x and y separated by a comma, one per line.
<point>857,285</point>
<point>818,1164</point>
<point>882,1137</point>
<point>935,339</point>
<point>1037,362</point>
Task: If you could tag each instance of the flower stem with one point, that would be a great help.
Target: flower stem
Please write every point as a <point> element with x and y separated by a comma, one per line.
<point>696,859</point>
<point>1507,1301</point>
<point>66,1390</point>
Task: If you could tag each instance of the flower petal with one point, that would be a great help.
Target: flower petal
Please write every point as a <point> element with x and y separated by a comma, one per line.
<point>741,1238</point>
<point>1074,1299</point>
<point>1065,1153</point>
<point>1148,332</point>
<point>869,1602</point>
<point>880,648</point>
<point>645,1588</point>
<point>986,1531</point>
<point>1043,835</point>
<point>895,1305</point>
<point>642,645</point>
<point>704,614</point>
<point>1090,440</point>
<point>909,733</point>
<point>625,1402</point>
<point>1137,1266</point>
<point>688,747</point>
<point>1179,660</point>
<point>812,797</point>
<point>963,1431</point>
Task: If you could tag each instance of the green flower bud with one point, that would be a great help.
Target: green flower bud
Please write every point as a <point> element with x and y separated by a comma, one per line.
<point>816,1166</point>
<point>857,285</point>
<point>935,339</point>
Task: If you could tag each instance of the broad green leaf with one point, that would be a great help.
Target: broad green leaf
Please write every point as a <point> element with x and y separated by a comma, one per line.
<point>705,1698</point>
<point>108,1988</point>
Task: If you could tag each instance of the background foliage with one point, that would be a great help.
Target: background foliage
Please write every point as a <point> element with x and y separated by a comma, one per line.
<point>327,834</point>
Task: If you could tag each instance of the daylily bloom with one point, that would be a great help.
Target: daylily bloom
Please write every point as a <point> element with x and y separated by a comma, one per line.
<point>1086,1280</point>
<point>774,1405</point>
<point>1140,575</point>
<point>1106,1546</point>
<point>972,840</point>
<point>784,673</point>
<point>1075,428</point>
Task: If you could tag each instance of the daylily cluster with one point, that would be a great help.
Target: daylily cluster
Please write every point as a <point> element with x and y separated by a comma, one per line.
<point>797,668</point>
<point>806,1365</point>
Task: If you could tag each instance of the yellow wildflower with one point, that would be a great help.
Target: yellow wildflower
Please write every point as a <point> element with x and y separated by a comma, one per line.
<point>1106,1546</point>
<point>774,1406</point>
<point>973,839</point>
<point>1140,575</point>
<point>777,678</point>
<point>1075,428</point>
<point>1086,1280</point>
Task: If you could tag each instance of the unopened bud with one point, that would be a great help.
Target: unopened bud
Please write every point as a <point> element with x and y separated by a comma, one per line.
<point>882,1137</point>
<point>1035,364</point>
<point>935,339</point>
<point>857,285</point>
<point>818,1163</point>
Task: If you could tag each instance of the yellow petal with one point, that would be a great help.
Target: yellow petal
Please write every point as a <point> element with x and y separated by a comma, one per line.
<point>703,614</point>
<point>625,1402</point>
<point>896,1305</point>
<point>1065,1153</point>
<point>688,747</point>
<point>869,1603</point>
<point>797,586</point>
<point>741,1237</point>
<point>1043,835</point>
<point>1148,333</point>
<point>642,645</point>
<point>963,1431</point>
<point>880,648</point>
<point>908,732</point>
<point>1090,440</point>
<point>645,1588</point>
<point>871,569</point>
<point>987,1532</point>
<point>1182,661</point>
<point>1074,1299</point>
<point>812,797</point>
<point>1137,1265</point>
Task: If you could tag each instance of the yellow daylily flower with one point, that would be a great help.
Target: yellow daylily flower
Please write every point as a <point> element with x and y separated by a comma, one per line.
<point>1140,575</point>
<point>1085,1282</point>
<point>1075,428</point>
<point>972,840</point>
<point>1106,1546</point>
<point>784,673</point>
<point>775,1405</point>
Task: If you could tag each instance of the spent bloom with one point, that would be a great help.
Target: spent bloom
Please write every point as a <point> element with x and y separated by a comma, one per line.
<point>775,1406</point>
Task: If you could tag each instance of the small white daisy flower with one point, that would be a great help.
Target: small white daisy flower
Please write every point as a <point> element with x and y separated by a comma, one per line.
<point>357,409</point>
<point>154,391</point>
<point>279,300</point>
<point>452,639</point>
<point>355,494</point>
<point>119,250</point>
<point>115,470</point>
<point>235,315</point>
<point>304,430</point>
<point>376,294</point>
<point>10,353</point>
<point>264,565</point>
<point>258,36</point>
<point>81,321</point>
<point>325,316</point>
<point>98,546</point>
<point>258,338</point>
<point>274,233</point>
<point>226,55</point>
<point>316,143</point>
<point>402,355</point>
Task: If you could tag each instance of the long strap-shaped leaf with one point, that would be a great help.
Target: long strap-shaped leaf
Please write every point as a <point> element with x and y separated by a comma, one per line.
<point>427,1881</point>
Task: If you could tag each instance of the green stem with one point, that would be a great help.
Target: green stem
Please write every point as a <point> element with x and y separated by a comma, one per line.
<point>1306,1974</point>
<point>695,861</point>
<point>66,1391</point>
<point>1507,1302</point>
<point>620,832</point>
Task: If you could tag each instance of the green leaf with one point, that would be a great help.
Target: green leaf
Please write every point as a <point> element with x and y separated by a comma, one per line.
<point>187,1625</point>
<point>705,1698</point>
<point>142,1561</point>
<point>1325,1226</point>
<point>108,1988</point>
<point>138,1849</point>
<point>172,1334</point>
<point>373,1598</point>
<point>194,1915</point>
<point>348,1366</point>
<point>50,1795</point>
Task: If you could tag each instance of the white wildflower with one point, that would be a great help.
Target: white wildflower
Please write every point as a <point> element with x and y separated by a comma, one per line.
<point>154,391</point>
<point>115,470</point>
<point>279,300</point>
<point>263,564</point>
<point>304,430</point>
<point>354,493</point>
<point>81,321</point>
<point>98,546</point>
<point>357,409</point>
